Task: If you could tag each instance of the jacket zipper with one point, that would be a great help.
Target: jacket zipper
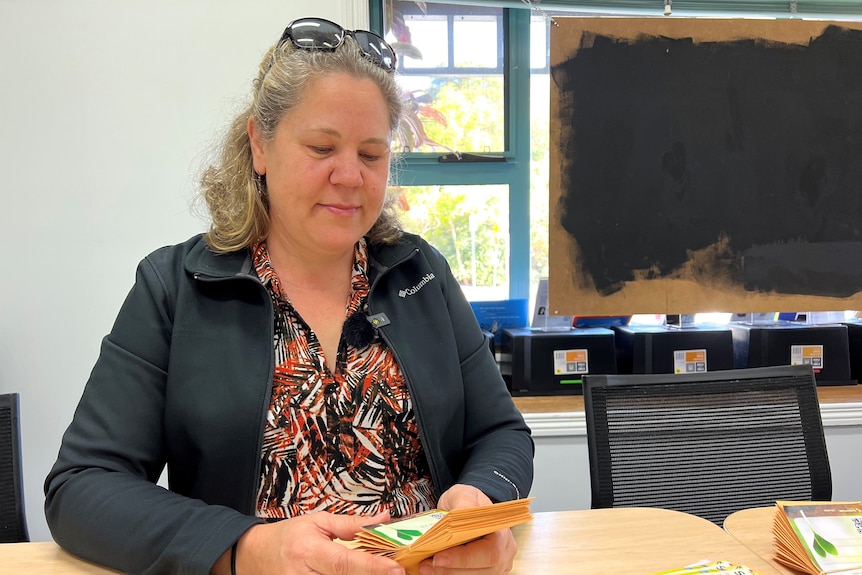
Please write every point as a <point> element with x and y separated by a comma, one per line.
<point>432,462</point>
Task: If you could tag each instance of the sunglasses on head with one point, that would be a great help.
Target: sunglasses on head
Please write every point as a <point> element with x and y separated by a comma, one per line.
<point>320,34</point>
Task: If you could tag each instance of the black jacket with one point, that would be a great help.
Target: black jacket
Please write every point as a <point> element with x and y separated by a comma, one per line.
<point>184,380</point>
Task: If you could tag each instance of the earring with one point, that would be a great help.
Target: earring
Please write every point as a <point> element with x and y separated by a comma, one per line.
<point>260,186</point>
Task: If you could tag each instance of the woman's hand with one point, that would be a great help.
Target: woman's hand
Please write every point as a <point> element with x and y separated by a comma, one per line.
<point>304,545</point>
<point>489,555</point>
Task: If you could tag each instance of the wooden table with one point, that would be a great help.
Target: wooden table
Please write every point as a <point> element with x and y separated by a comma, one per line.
<point>44,559</point>
<point>753,528</point>
<point>624,541</point>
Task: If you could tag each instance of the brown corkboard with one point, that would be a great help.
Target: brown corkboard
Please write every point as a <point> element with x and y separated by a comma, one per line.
<point>705,165</point>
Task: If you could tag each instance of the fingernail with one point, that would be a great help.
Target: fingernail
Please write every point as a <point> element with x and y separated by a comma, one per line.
<point>441,561</point>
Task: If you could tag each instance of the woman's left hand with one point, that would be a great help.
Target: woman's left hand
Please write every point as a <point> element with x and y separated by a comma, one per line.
<point>489,555</point>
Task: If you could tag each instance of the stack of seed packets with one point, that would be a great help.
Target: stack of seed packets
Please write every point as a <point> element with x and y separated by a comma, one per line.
<point>409,540</point>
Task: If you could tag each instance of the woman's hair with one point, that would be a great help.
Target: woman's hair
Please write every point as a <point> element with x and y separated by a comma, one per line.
<point>235,195</point>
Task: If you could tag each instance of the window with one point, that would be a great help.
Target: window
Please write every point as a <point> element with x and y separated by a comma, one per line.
<point>450,69</point>
<point>458,70</point>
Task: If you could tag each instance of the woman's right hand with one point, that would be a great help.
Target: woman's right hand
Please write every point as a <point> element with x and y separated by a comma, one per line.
<point>304,545</point>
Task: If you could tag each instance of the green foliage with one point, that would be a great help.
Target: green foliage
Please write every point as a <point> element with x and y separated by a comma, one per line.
<point>473,109</point>
<point>443,216</point>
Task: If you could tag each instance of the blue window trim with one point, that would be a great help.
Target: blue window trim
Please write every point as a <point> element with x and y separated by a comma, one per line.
<point>424,169</point>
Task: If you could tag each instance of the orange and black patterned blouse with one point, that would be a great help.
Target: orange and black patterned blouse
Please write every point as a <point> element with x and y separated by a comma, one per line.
<point>343,442</point>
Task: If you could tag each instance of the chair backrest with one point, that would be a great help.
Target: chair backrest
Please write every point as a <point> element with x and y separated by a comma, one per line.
<point>13,523</point>
<point>709,443</point>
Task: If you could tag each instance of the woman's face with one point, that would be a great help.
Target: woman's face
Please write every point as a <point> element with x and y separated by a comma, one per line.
<point>327,166</point>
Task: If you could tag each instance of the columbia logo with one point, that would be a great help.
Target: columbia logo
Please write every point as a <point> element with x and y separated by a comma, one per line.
<point>412,290</point>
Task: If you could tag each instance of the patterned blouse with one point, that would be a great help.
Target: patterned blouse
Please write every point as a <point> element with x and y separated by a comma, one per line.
<point>343,441</point>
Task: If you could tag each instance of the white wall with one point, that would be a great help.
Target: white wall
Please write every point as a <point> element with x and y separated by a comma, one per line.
<point>107,109</point>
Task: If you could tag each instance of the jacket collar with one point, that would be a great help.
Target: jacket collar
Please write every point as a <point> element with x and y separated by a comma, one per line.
<point>386,256</point>
<point>201,259</point>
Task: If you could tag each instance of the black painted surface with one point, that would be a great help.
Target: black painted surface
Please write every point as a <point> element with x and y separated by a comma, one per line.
<point>736,148</point>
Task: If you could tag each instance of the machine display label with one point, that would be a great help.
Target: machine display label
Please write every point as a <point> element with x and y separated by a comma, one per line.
<point>571,361</point>
<point>807,355</point>
<point>689,361</point>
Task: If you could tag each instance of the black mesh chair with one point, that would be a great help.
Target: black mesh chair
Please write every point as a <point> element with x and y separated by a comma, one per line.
<point>13,523</point>
<point>709,443</point>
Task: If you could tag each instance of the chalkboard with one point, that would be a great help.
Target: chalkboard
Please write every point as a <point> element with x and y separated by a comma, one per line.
<point>705,165</point>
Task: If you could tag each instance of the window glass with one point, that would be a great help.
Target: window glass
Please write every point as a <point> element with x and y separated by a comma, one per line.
<point>540,113</point>
<point>475,41</point>
<point>426,33</point>
<point>469,225</point>
<point>450,68</point>
<point>539,45</point>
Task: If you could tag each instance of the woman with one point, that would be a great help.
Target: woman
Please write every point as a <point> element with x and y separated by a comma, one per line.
<point>303,369</point>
